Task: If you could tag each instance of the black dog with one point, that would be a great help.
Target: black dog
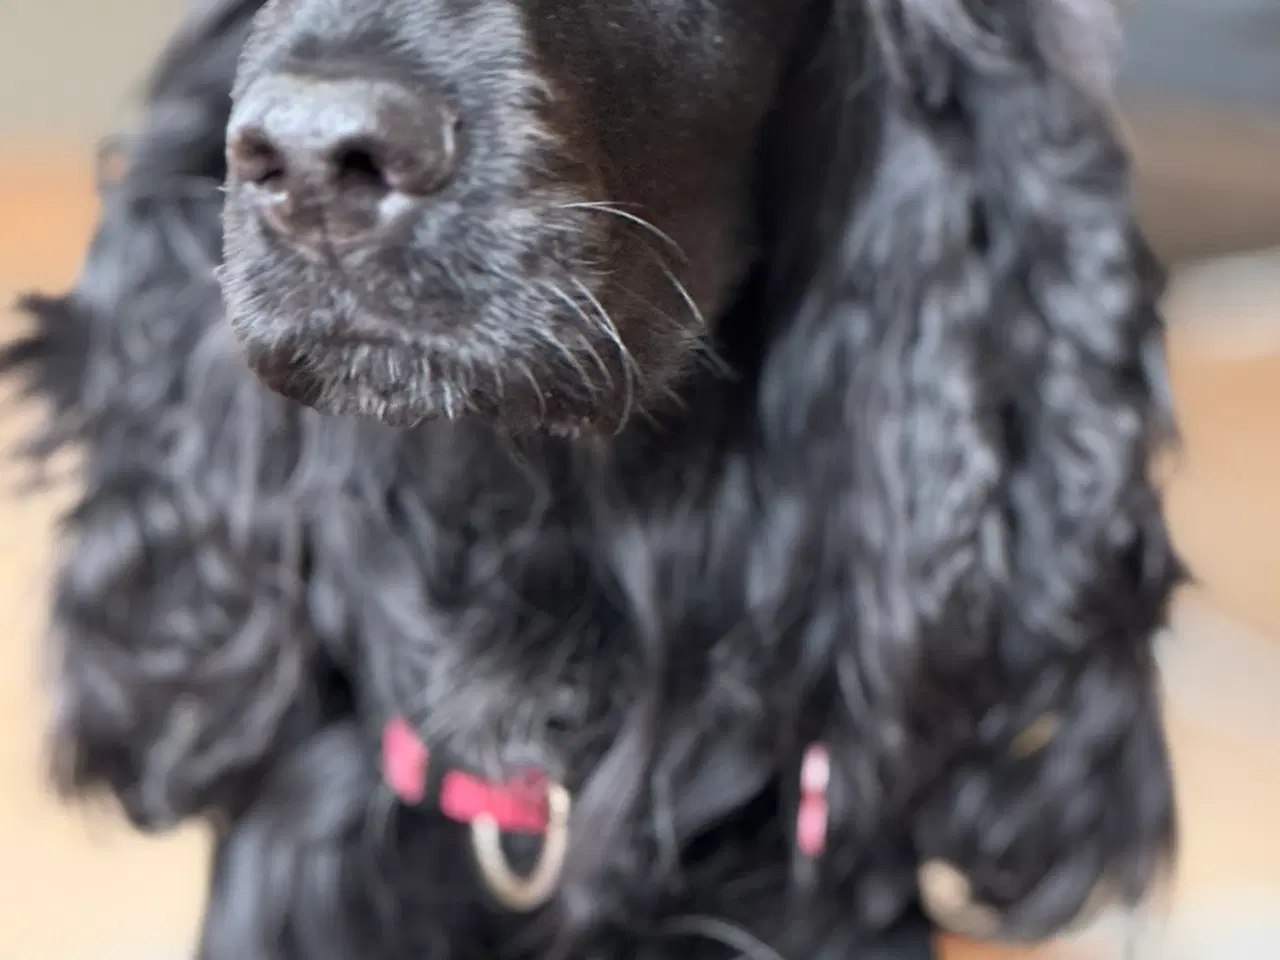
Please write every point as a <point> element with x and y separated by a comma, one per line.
<point>750,502</point>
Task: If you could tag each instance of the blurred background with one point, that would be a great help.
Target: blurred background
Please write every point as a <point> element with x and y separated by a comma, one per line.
<point>1201,106</point>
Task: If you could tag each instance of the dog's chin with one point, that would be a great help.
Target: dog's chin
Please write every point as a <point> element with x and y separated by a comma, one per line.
<point>401,383</point>
<point>305,379</point>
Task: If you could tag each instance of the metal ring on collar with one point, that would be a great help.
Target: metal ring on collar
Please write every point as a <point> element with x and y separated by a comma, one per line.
<point>516,892</point>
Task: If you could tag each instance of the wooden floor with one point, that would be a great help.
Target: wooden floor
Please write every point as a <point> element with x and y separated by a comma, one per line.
<point>73,885</point>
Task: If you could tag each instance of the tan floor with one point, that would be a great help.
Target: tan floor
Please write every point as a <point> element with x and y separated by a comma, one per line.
<point>71,882</point>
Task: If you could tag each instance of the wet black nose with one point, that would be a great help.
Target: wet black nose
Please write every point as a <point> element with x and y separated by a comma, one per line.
<point>337,160</point>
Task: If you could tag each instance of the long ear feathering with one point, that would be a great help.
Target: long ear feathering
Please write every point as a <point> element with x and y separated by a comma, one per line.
<point>288,878</point>
<point>980,322</point>
<point>182,653</point>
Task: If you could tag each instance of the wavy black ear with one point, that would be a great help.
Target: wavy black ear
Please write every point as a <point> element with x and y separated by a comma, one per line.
<point>971,384</point>
<point>182,654</point>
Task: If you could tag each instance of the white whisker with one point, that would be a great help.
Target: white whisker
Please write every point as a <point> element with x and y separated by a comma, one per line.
<point>537,389</point>
<point>705,349</point>
<point>602,206</point>
<point>683,291</point>
<point>624,355</point>
<point>595,354</point>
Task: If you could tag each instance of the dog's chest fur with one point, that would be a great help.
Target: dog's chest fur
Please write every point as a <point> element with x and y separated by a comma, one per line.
<point>517,604</point>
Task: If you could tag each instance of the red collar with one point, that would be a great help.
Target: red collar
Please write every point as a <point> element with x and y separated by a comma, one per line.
<point>517,806</point>
<point>520,804</point>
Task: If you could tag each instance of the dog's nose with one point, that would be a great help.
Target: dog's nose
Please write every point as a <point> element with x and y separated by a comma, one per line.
<point>337,159</point>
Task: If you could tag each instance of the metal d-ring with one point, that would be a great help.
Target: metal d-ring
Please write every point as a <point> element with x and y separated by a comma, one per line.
<point>516,892</point>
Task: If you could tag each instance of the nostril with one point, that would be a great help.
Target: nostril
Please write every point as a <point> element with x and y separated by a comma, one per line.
<point>358,167</point>
<point>253,158</point>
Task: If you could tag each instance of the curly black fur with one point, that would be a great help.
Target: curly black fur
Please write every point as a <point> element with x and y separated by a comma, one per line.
<point>869,464</point>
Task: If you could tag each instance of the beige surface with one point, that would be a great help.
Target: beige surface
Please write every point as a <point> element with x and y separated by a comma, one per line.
<point>70,883</point>
<point>67,67</point>
<point>1225,503</point>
